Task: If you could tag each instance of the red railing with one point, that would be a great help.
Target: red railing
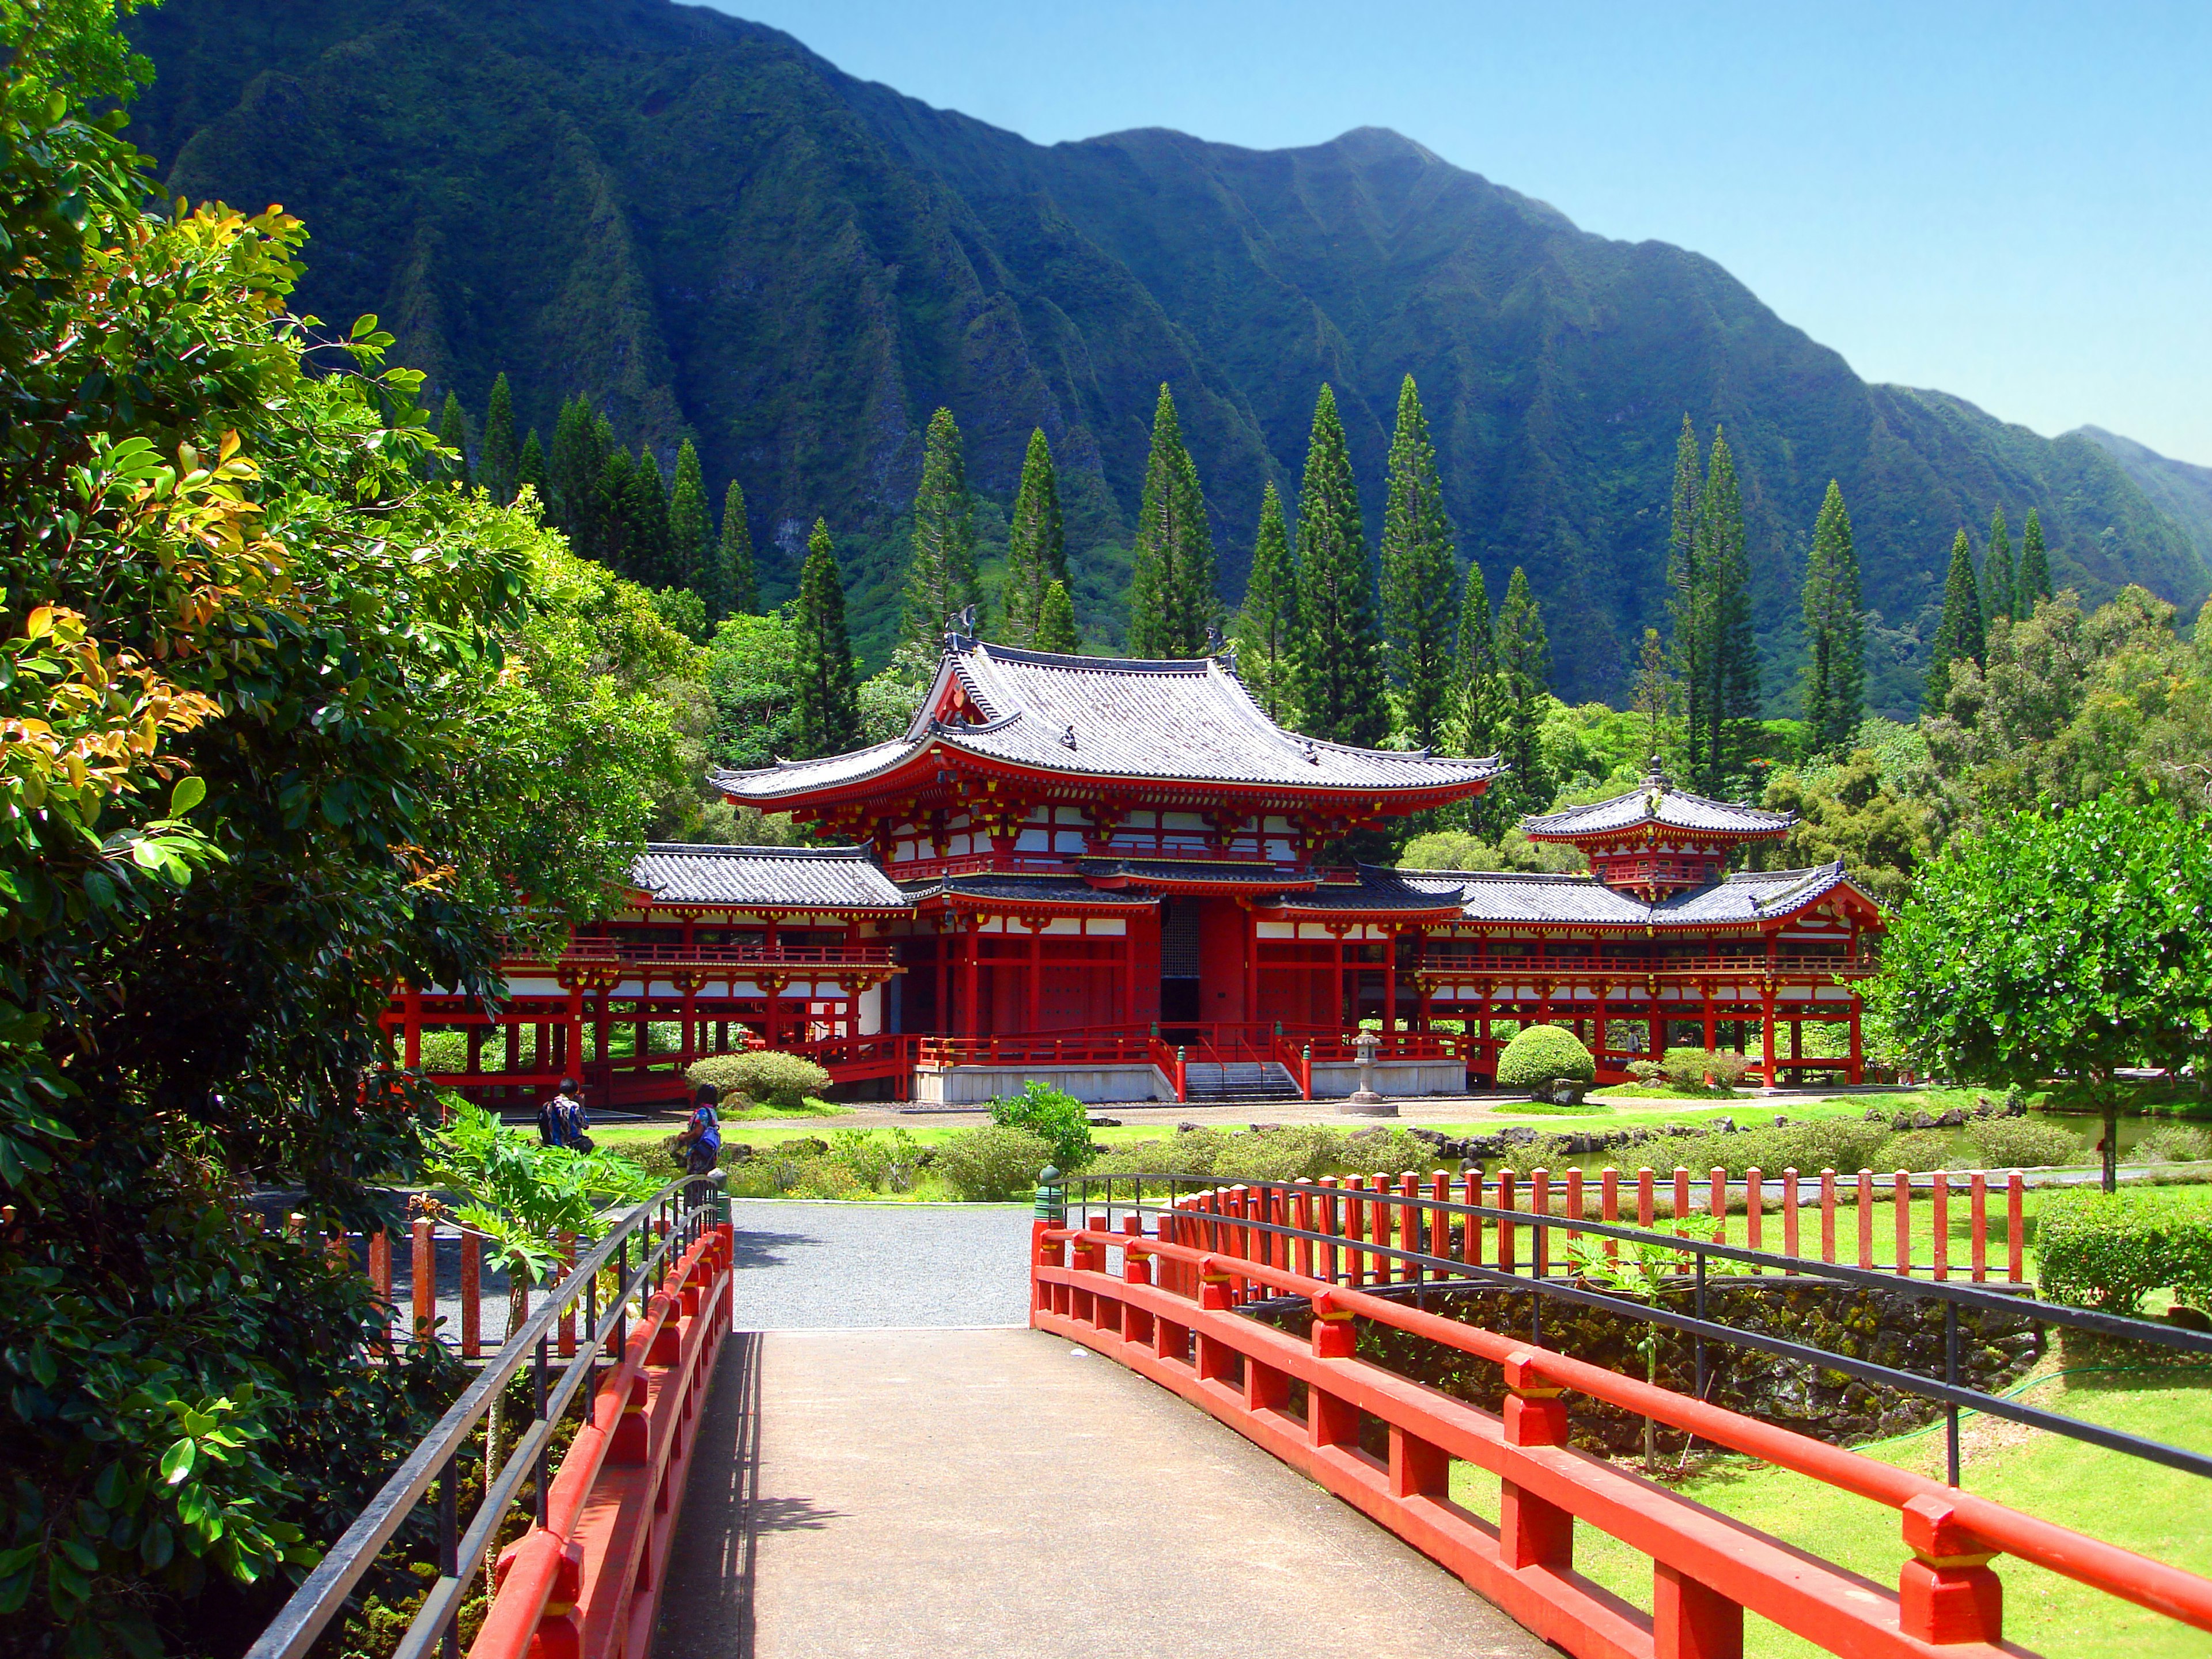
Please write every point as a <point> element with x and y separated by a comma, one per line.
<point>1170,1059</point>
<point>1444,967</point>
<point>1180,1330</point>
<point>1041,1049</point>
<point>587,1579</point>
<point>1291,1053</point>
<point>623,952</point>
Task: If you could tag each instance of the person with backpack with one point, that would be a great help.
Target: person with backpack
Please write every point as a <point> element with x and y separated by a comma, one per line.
<point>702,1136</point>
<point>561,1121</point>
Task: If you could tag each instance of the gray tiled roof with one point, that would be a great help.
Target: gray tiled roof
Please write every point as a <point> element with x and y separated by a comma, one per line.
<point>1117,717</point>
<point>1264,878</point>
<point>1511,896</point>
<point>1377,888</point>
<point>1035,889</point>
<point>1656,800</point>
<point>774,878</point>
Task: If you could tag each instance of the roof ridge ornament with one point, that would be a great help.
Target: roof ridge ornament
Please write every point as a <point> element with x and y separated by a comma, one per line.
<point>1068,737</point>
<point>963,627</point>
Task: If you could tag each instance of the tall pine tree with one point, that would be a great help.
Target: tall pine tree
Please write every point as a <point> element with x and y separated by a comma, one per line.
<point>691,532</point>
<point>1417,566</point>
<point>1835,640</point>
<point>826,702</point>
<point>572,475</point>
<point>1524,684</point>
<point>1687,600</point>
<point>941,573</point>
<point>1267,623</point>
<point>499,458</point>
<point>530,467</point>
<point>645,531</point>
<point>1998,578</point>
<point>1340,692</point>
<point>1476,720</point>
<point>1171,599</point>
<point>1958,632</point>
<point>2033,581</point>
<point>1656,696</point>
<point>1730,643</point>
<point>1037,547</point>
<point>1055,629</point>
<point>453,434</point>
<point>606,514</point>
<point>735,578</point>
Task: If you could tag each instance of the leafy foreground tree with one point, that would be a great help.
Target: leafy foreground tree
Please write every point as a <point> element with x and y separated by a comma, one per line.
<point>2057,942</point>
<point>291,726</point>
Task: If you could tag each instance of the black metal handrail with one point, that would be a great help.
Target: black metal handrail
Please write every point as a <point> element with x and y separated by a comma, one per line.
<point>1450,1274</point>
<point>682,1210</point>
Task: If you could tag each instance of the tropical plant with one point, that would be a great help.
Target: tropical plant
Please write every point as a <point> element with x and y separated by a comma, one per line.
<point>1063,1121</point>
<point>2109,1250</point>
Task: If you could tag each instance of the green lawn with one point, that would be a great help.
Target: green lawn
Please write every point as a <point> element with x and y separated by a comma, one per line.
<point>2140,1506</point>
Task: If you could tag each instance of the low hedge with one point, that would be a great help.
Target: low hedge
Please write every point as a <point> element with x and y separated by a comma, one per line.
<point>1545,1054</point>
<point>2109,1250</point>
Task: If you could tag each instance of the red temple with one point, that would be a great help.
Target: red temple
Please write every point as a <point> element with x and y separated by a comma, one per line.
<point>1102,873</point>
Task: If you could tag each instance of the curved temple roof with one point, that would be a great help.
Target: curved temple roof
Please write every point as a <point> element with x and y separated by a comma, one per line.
<point>1113,717</point>
<point>1656,801</point>
<point>776,877</point>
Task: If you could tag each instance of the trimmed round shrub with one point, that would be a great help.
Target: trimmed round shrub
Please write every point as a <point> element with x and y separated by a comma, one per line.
<point>2015,1143</point>
<point>1544,1055</point>
<point>992,1163</point>
<point>2109,1250</point>
<point>764,1076</point>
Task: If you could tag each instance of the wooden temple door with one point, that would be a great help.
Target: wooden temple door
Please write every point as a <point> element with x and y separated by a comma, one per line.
<point>1224,939</point>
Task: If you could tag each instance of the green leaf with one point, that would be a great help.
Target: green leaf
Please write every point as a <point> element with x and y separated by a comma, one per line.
<point>176,1461</point>
<point>191,791</point>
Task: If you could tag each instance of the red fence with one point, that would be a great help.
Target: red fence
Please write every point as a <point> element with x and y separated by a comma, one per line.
<point>587,1581</point>
<point>1179,1329</point>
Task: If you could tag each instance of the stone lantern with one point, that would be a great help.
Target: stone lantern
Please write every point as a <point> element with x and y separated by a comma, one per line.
<point>1364,1101</point>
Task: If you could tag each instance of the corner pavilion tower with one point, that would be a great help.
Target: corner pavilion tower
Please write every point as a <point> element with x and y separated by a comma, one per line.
<point>1103,871</point>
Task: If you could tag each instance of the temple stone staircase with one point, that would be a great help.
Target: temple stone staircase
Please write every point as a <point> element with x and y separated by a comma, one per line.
<point>1238,1082</point>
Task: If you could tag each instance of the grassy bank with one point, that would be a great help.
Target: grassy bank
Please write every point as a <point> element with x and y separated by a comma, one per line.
<point>2140,1506</point>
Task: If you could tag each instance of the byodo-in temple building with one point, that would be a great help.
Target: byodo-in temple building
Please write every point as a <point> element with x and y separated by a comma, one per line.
<point>1104,873</point>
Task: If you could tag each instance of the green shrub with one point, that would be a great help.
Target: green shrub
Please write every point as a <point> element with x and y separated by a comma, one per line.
<point>1688,1068</point>
<point>2109,1250</point>
<point>1389,1152</point>
<point>1841,1144</point>
<point>992,1163</point>
<point>1303,1152</point>
<point>1919,1149</point>
<point>766,1077</point>
<point>1548,1152</point>
<point>825,1178</point>
<point>1540,1055</point>
<point>2173,1143</point>
<point>1059,1118</point>
<point>1194,1156</point>
<point>2016,1143</point>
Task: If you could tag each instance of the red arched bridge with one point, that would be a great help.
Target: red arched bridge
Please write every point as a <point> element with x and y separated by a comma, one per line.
<point>1249,1304</point>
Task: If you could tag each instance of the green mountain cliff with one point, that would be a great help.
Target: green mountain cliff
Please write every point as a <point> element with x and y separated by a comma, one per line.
<point>714,233</point>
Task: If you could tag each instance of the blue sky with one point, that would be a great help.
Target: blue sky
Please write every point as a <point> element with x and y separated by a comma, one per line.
<point>2011,203</point>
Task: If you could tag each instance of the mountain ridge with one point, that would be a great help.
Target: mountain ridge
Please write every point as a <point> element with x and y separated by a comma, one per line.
<point>716,232</point>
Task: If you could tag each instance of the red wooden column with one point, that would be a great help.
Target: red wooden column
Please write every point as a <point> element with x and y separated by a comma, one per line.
<point>1036,970</point>
<point>1129,975</point>
<point>1252,959</point>
<point>572,1059</point>
<point>410,1033</point>
<point>1389,981</point>
<point>943,959</point>
<point>972,1016</point>
<point>1766,1030</point>
<point>1857,1067</point>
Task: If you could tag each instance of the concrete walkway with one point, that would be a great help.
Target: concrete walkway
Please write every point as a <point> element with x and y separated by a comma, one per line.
<point>890,1493</point>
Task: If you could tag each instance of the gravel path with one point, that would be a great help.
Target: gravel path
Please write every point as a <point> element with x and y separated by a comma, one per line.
<point>813,1267</point>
